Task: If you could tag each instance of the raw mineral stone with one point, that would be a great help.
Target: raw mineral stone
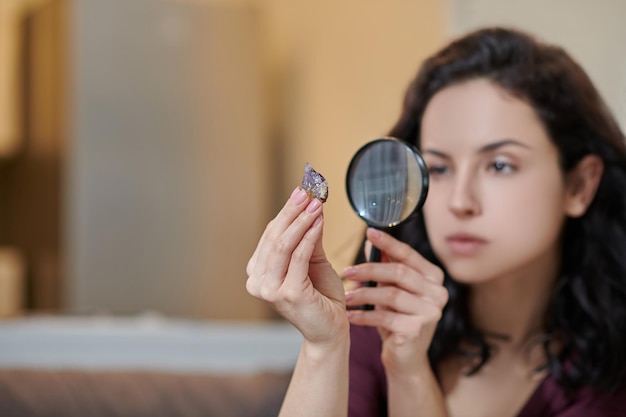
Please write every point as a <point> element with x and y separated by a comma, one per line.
<point>314,184</point>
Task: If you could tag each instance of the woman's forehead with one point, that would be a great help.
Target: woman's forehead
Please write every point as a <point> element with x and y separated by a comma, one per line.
<point>472,114</point>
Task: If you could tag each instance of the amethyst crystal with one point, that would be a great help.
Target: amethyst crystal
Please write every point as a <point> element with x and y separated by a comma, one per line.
<point>314,183</point>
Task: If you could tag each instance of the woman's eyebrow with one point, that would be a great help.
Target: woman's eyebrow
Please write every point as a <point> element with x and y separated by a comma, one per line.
<point>483,149</point>
<point>505,142</point>
<point>436,153</point>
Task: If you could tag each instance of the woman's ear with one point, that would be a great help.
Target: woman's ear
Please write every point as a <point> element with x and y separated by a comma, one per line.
<point>582,184</point>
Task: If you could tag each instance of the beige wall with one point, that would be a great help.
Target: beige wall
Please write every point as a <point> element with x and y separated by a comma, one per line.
<point>340,69</point>
<point>592,31</point>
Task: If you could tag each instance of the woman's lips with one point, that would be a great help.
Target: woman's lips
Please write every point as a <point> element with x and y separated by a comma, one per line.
<point>465,244</point>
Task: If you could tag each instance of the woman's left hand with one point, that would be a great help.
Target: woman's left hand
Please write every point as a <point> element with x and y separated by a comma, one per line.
<point>408,300</point>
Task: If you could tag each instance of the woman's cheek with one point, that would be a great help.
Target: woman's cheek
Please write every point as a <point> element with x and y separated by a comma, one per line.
<point>435,217</point>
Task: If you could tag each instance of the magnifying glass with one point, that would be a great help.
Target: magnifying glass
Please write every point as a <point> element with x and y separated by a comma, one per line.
<point>387,184</point>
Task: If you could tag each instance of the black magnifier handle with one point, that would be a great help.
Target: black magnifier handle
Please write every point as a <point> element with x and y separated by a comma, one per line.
<point>386,183</point>
<point>375,255</point>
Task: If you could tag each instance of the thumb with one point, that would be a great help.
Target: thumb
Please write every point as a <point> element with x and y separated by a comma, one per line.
<point>321,272</point>
<point>318,255</point>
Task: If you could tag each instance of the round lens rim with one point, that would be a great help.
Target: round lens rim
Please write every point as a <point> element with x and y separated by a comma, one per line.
<point>422,168</point>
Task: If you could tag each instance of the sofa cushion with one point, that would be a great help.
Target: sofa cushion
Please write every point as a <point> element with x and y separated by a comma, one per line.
<point>67,393</point>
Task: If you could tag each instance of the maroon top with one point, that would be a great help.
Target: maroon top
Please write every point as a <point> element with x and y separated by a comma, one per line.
<point>368,388</point>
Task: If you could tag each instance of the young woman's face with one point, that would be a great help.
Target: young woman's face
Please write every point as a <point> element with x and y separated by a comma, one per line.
<point>495,204</point>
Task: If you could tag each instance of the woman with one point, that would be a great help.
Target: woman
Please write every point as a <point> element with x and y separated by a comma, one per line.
<point>507,297</point>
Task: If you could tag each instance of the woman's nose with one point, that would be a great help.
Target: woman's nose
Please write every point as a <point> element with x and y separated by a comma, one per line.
<point>463,201</point>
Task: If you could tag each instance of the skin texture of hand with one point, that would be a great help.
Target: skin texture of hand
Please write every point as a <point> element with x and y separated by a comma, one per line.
<point>409,300</point>
<point>290,271</point>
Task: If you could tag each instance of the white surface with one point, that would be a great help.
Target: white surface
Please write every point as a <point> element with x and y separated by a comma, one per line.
<point>147,342</point>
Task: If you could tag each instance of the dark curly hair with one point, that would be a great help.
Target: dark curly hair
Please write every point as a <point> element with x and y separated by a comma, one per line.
<point>587,313</point>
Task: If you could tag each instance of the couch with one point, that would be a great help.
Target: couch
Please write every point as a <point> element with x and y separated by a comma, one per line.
<point>70,393</point>
<point>143,367</point>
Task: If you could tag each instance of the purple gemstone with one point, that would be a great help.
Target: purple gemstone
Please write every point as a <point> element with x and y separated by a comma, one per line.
<point>314,183</point>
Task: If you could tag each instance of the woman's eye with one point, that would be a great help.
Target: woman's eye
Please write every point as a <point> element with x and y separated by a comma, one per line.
<point>437,169</point>
<point>500,166</point>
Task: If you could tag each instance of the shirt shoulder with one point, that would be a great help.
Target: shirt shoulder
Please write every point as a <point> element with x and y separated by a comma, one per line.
<point>552,400</point>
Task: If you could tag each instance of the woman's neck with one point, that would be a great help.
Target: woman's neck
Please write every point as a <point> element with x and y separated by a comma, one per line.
<point>515,305</point>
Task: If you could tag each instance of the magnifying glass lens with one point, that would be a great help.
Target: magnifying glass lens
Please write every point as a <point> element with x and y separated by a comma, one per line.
<point>387,182</point>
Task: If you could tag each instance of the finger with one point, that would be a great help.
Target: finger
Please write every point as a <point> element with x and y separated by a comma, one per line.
<point>394,322</point>
<point>296,279</point>
<point>274,260</point>
<point>264,281</point>
<point>400,276</point>
<point>298,201</point>
<point>367,249</point>
<point>404,254</point>
<point>318,255</point>
<point>395,299</point>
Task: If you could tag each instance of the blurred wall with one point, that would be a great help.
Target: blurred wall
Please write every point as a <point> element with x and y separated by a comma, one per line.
<point>339,70</point>
<point>593,32</point>
<point>167,163</point>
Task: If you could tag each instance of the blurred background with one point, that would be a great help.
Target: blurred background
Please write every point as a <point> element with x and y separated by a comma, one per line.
<point>144,144</point>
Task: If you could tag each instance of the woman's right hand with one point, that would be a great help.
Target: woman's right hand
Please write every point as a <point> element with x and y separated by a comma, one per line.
<point>409,300</point>
<point>289,270</point>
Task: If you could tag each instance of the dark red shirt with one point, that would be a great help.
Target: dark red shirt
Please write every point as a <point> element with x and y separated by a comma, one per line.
<point>368,388</point>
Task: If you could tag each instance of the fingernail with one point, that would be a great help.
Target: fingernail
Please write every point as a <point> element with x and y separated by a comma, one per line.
<point>298,196</point>
<point>349,271</point>
<point>375,232</point>
<point>313,205</point>
<point>349,295</point>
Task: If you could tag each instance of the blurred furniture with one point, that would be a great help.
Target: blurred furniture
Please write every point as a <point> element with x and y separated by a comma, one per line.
<point>58,393</point>
<point>32,146</point>
<point>10,76</point>
<point>143,366</point>
<point>134,171</point>
<point>11,282</point>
